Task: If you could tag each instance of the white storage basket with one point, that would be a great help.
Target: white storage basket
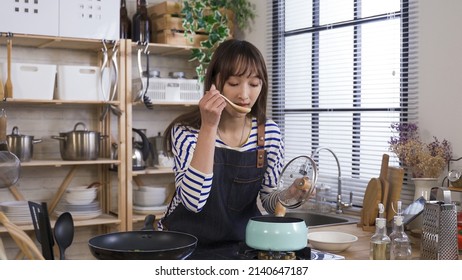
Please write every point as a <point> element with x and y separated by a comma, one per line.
<point>31,81</point>
<point>79,83</point>
<point>164,90</point>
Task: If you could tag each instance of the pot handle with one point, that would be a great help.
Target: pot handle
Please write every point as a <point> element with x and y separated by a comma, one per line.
<point>149,222</point>
<point>82,124</point>
<point>15,130</point>
<point>35,141</point>
<point>58,137</point>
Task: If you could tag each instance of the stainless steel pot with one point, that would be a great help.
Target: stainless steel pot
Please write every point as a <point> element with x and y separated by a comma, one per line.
<point>79,144</point>
<point>21,145</point>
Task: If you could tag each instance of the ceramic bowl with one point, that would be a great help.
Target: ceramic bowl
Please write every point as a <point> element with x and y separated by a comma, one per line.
<point>150,196</point>
<point>80,195</point>
<point>331,241</point>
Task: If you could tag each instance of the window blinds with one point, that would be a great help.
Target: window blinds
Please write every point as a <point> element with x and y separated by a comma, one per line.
<point>341,72</point>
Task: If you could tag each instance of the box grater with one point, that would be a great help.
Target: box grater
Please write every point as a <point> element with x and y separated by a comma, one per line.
<point>439,229</point>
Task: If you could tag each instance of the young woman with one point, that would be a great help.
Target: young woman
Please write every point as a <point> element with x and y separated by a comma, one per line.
<point>225,159</point>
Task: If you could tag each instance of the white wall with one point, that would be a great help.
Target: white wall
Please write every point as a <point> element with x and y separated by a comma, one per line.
<point>440,71</point>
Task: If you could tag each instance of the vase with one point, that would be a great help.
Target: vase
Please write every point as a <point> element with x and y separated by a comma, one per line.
<point>423,187</point>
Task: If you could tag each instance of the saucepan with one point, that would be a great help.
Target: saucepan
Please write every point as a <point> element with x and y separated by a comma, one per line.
<point>146,244</point>
<point>21,145</point>
<point>275,233</point>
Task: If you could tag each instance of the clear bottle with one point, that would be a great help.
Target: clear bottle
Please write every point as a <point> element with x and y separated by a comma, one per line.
<point>125,23</point>
<point>380,242</point>
<point>141,24</point>
<point>400,243</point>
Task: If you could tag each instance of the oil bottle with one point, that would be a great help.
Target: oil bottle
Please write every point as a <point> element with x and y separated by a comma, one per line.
<point>380,242</point>
<point>400,243</point>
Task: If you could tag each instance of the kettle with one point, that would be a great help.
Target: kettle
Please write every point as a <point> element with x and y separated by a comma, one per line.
<point>140,151</point>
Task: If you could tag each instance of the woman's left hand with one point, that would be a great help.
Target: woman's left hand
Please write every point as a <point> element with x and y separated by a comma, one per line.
<point>300,190</point>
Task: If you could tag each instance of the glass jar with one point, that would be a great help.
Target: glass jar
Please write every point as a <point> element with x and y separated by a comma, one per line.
<point>322,199</point>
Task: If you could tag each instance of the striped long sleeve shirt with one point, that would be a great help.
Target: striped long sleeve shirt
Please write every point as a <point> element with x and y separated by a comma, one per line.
<point>193,187</point>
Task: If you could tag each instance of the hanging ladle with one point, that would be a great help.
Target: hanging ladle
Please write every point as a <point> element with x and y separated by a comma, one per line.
<point>236,107</point>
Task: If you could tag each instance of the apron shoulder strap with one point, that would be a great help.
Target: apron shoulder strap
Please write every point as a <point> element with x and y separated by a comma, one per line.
<point>261,153</point>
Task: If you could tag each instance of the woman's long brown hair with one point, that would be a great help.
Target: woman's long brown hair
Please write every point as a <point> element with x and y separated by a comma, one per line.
<point>231,58</point>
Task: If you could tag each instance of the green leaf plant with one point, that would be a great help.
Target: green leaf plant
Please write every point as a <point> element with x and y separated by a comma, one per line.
<point>211,17</point>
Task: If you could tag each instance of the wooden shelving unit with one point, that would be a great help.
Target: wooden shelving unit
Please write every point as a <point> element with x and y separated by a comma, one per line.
<point>109,218</point>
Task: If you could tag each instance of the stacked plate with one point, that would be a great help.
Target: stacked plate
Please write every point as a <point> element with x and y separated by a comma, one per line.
<point>81,202</point>
<point>17,212</point>
<point>80,212</point>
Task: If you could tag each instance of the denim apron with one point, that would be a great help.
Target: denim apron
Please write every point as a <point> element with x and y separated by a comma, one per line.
<point>235,187</point>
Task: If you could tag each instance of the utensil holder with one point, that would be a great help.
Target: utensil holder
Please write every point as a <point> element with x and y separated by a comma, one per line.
<point>439,229</point>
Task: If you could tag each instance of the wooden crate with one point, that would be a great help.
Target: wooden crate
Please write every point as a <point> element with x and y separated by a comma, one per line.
<point>173,22</point>
<point>177,38</point>
<point>166,22</point>
<point>166,7</point>
<point>167,16</point>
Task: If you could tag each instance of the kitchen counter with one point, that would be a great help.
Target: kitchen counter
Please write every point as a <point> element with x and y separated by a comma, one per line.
<point>360,249</point>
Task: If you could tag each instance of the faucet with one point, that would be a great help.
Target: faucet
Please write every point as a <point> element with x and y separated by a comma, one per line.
<point>339,203</point>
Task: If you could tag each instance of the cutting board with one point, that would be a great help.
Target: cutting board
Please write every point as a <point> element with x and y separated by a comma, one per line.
<point>395,179</point>
<point>372,198</point>
<point>384,182</point>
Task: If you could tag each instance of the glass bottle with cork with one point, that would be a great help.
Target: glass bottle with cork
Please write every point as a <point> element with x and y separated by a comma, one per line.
<point>141,24</point>
<point>125,23</point>
<point>380,242</point>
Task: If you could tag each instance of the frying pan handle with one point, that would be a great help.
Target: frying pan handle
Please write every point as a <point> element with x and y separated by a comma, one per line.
<point>149,222</point>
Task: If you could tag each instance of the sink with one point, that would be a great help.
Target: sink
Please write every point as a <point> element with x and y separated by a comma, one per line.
<point>315,220</point>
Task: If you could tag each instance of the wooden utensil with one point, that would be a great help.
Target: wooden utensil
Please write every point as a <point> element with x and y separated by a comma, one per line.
<point>395,178</point>
<point>384,182</point>
<point>372,198</point>
<point>9,83</point>
<point>238,108</point>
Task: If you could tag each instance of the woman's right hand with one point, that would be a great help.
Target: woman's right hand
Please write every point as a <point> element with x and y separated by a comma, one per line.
<point>211,106</point>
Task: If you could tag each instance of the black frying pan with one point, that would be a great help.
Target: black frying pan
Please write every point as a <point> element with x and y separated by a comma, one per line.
<point>143,245</point>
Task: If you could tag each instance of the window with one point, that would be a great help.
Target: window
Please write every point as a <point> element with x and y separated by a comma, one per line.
<point>341,72</point>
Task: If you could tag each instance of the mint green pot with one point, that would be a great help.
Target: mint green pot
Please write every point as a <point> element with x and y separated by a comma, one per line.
<point>272,233</point>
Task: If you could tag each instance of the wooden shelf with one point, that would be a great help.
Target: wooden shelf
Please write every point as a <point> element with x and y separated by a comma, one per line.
<point>42,42</point>
<point>57,102</point>
<point>454,189</point>
<point>165,49</point>
<point>153,171</point>
<point>170,103</point>
<point>58,162</point>
<point>104,219</point>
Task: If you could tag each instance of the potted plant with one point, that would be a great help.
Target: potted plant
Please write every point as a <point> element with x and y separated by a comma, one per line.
<point>425,162</point>
<point>212,17</point>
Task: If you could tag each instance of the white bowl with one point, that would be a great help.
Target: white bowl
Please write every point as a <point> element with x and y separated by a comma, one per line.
<point>80,195</point>
<point>149,198</point>
<point>331,241</point>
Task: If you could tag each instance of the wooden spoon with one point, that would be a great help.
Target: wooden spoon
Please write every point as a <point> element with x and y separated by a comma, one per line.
<point>238,108</point>
<point>9,85</point>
